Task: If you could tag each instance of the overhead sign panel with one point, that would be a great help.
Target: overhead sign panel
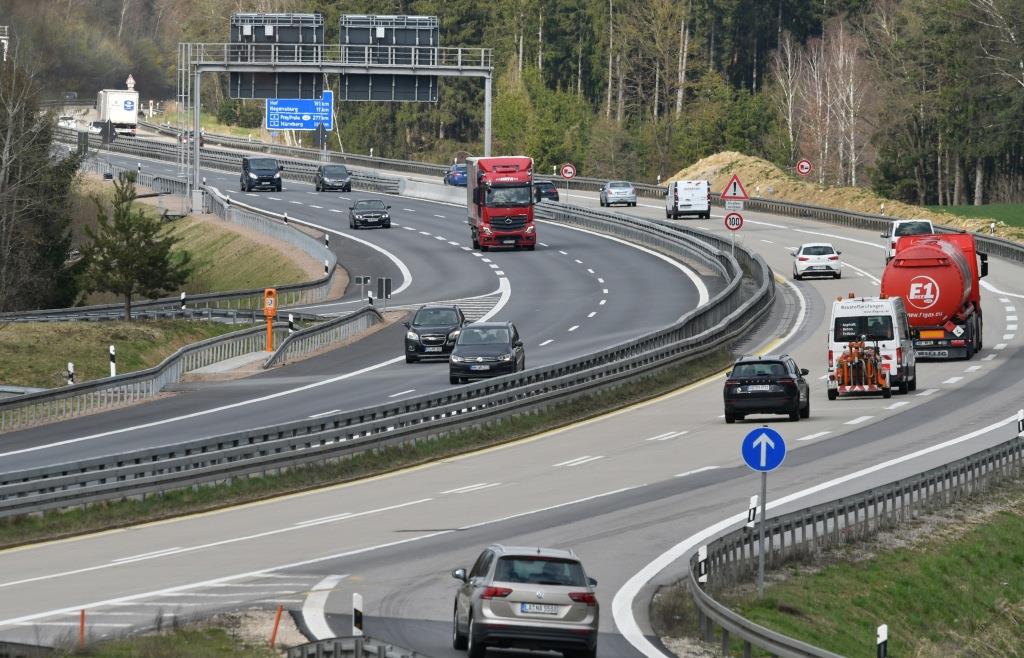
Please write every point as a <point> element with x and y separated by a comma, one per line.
<point>300,113</point>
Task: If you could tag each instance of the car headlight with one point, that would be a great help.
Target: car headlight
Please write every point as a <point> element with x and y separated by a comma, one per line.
<point>386,216</point>
<point>252,175</point>
<point>277,174</point>
<point>456,358</point>
<point>486,230</point>
<point>453,335</point>
<point>506,357</point>
<point>412,335</point>
<point>530,229</point>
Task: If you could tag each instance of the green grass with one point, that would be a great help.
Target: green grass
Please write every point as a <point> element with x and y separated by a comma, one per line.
<point>209,123</point>
<point>52,525</point>
<point>1011,214</point>
<point>36,353</point>
<point>209,642</point>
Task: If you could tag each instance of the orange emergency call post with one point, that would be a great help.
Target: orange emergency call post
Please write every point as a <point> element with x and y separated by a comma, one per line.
<point>270,312</point>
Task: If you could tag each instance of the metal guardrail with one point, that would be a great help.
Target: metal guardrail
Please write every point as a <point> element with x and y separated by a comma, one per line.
<point>352,647</point>
<point>324,335</point>
<point>732,558</point>
<point>396,422</point>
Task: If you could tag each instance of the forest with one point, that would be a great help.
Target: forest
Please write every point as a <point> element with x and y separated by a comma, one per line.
<point>922,100</point>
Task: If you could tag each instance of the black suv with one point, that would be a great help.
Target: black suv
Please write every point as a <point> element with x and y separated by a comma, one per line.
<point>333,177</point>
<point>771,384</point>
<point>544,189</point>
<point>486,349</point>
<point>260,174</point>
<point>432,332</point>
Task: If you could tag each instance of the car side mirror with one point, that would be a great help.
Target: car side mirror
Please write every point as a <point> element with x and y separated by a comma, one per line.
<point>280,167</point>
<point>839,253</point>
<point>728,373</point>
<point>405,324</point>
<point>883,235</point>
<point>592,582</point>
<point>459,574</point>
<point>387,207</point>
<point>804,371</point>
<point>519,343</point>
<point>792,253</point>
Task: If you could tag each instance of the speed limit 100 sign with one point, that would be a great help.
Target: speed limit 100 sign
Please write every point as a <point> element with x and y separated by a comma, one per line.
<point>568,170</point>
<point>734,221</point>
<point>803,167</point>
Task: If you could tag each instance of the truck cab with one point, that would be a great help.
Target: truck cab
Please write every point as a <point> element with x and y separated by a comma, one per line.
<point>499,197</point>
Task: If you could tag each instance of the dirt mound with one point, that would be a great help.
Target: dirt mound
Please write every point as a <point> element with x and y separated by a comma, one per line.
<point>763,179</point>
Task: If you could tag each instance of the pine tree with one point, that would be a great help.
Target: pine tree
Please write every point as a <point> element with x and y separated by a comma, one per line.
<point>129,253</point>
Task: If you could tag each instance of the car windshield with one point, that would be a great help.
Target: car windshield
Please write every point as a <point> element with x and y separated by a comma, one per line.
<point>540,571</point>
<point>544,185</point>
<point>818,251</point>
<point>872,327</point>
<point>263,163</point>
<point>914,228</point>
<point>480,336</point>
<point>433,317</point>
<point>508,196</point>
<point>620,184</point>
<point>337,170</point>
<point>759,369</point>
<point>369,204</point>
<point>459,168</point>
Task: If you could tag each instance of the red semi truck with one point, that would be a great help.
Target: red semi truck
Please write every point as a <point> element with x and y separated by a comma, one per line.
<point>499,195</point>
<point>937,276</point>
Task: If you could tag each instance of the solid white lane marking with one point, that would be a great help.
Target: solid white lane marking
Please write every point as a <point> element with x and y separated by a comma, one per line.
<point>574,327</point>
<point>816,435</point>
<point>473,487</point>
<point>973,369</point>
<point>356,515</point>
<point>464,488</point>
<point>858,420</point>
<point>622,604</point>
<point>839,237</point>
<point>927,392</point>
<point>75,623</point>
<point>326,413</point>
<point>313,609</point>
<point>952,380</point>
<point>395,395</point>
<point>897,405</point>
<point>751,221</point>
<point>1000,346</point>
<point>146,555</point>
<point>547,342</point>
<point>991,288</point>
<point>591,314</point>
<point>659,437</point>
<point>695,471</point>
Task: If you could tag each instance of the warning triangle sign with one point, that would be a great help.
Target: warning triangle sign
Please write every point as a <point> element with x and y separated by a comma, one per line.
<point>734,190</point>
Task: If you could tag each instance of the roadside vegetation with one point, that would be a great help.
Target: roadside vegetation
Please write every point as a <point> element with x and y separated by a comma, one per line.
<point>197,642</point>
<point>52,525</point>
<point>947,585</point>
<point>1011,214</point>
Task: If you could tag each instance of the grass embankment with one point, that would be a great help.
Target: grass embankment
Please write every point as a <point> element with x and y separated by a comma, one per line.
<point>191,642</point>
<point>37,353</point>
<point>1011,214</point>
<point>950,587</point>
<point>52,525</point>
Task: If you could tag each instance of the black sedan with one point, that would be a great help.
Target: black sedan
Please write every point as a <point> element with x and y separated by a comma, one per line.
<point>432,332</point>
<point>369,212</point>
<point>544,189</point>
<point>771,384</point>
<point>486,349</point>
<point>333,177</point>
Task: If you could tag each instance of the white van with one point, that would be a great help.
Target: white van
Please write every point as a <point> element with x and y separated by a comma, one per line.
<point>880,322</point>
<point>901,227</point>
<point>688,197</point>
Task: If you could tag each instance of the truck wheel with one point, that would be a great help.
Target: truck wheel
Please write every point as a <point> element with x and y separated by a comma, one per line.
<point>531,247</point>
<point>472,235</point>
<point>904,386</point>
<point>912,386</point>
<point>833,394</point>
<point>886,393</point>
<point>484,247</point>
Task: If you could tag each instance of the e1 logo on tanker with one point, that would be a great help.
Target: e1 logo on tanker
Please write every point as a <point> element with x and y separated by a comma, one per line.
<point>924,292</point>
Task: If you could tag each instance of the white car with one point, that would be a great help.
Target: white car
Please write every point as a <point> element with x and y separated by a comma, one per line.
<point>902,227</point>
<point>67,122</point>
<point>817,258</point>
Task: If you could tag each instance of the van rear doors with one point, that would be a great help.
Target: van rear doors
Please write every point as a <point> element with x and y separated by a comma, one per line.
<point>688,197</point>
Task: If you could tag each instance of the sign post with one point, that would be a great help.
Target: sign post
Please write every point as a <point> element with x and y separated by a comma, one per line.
<point>763,450</point>
<point>804,167</point>
<point>270,312</point>
<point>733,222</point>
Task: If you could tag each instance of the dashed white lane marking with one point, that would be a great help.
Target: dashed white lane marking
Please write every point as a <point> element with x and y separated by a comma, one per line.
<point>816,435</point>
<point>989,357</point>
<point>1011,318</point>
<point>972,369</point>
<point>600,280</point>
<point>590,270</point>
<point>439,216</point>
<point>602,302</point>
<point>326,413</point>
<point>408,210</point>
<point>298,203</point>
<point>574,327</point>
<point>317,207</point>
<point>472,487</point>
<point>542,244</point>
<point>1011,327</point>
<point>273,198</point>
<point>897,405</point>
<point>823,377</point>
<point>409,228</point>
<point>132,558</point>
<point>493,266</point>
<point>312,193</point>
<point>499,273</point>
<point>591,314</point>
<point>345,198</point>
<point>424,233</point>
<point>1000,346</point>
<point>1004,300</point>
<point>927,392</point>
<point>767,241</point>
<point>395,395</point>
<point>1008,336</point>
<point>547,342</point>
<point>860,271</point>
<point>336,210</point>
<point>695,471</point>
<point>579,460</point>
<point>604,291</point>
<point>313,607</point>
<point>562,252</point>
<point>668,435</point>
<point>1011,309</point>
<point>952,380</point>
<point>578,261</point>
<point>354,515</point>
<point>858,420</point>
<point>251,194</point>
<point>466,249</point>
<point>441,238</point>
<point>485,260</point>
<point>453,243</point>
<point>478,255</point>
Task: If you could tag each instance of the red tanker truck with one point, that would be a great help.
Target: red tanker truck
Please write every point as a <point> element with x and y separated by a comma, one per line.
<point>500,200</point>
<point>937,276</point>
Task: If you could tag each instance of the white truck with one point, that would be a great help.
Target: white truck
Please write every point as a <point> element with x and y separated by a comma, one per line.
<point>121,108</point>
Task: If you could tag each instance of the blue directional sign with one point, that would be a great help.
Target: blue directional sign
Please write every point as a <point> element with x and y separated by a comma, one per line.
<point>763,449</point>
<point>300,113</point>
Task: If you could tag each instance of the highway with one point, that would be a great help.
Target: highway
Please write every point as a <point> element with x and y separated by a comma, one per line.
<point>620,490</point>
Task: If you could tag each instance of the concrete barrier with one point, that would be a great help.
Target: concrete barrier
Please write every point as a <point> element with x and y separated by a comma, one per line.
<point>431,191</point>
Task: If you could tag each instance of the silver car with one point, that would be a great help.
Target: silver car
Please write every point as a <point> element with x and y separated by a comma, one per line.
<point>618,191</point>
<point>527,598</point>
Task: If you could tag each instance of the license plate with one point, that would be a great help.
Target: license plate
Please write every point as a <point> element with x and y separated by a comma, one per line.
<point>480,367</point>
<point>508,242</point>
<point>933,354</point>
<point>759,388</point>
<point>431,349</point>
<point>538,608</point>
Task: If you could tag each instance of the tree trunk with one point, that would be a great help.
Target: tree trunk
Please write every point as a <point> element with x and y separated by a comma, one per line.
<point>520,53</point>
<point>958,182</point>
<point>684,47</point>
<point>979,182</point>
<point>657,89</point>
<point>579,71</point>
<point>753,83</point>
<point>919,182</point>
<point>621,105</point>
<point>938,172</point>
<point>540,41</point>
<point>120,25</point>
<point>608,104</point>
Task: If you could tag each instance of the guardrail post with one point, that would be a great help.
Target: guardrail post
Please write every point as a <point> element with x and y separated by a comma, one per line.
<point>725,642</point>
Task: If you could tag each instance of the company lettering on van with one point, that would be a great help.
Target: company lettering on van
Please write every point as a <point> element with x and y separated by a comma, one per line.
<point>924,292</point>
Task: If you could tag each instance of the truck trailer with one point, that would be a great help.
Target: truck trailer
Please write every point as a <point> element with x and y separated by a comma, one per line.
<point>121,108</point>
<point>938,277</point>
<point>499,196</point>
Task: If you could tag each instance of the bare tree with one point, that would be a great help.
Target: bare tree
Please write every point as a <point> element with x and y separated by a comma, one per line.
<point>611,46</point>
<point>1006,51</point>
<point>787,69</point>
<point>814,95</point>
<point>850,88</point>
<point>684,51</point>
<point>124,10</point>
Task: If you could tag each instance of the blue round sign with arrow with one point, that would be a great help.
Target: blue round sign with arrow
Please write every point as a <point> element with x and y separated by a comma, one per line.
<point>763,449</point>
